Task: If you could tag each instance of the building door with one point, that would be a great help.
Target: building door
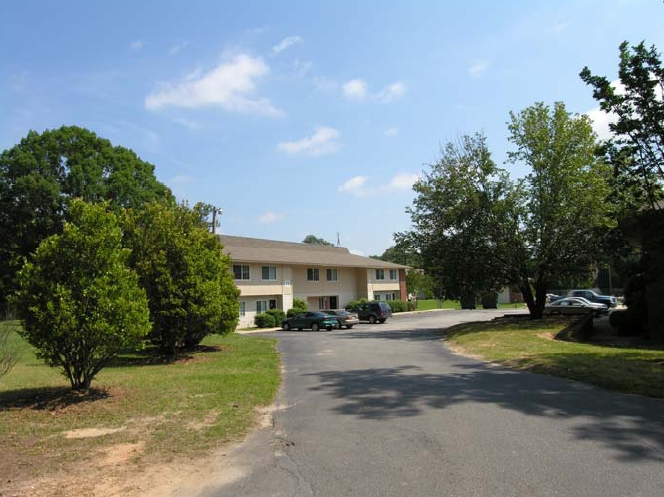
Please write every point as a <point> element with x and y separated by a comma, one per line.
<point>334,302</point>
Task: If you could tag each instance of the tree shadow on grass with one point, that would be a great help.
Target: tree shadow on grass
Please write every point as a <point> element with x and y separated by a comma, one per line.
<point>152,356</point>
<point>48,398</point>
<point>630,425</point>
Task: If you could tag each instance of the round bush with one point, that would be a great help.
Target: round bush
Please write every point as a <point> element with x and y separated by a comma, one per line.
<point>278,316</point>
<point>264,320</point>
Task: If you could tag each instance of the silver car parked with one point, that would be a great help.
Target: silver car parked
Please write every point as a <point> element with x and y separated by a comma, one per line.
<point>574,305</point>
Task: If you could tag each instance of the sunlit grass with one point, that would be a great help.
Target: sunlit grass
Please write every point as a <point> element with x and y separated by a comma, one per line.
<point>174,409</point>
<point>529,345</point>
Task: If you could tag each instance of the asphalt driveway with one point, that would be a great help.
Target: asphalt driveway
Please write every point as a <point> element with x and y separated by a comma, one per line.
<point>387,410</point>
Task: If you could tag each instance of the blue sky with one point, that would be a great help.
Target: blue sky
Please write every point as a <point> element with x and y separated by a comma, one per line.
<point>304,117</point>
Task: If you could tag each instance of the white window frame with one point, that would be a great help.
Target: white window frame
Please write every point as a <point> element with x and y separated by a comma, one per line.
<point>261,306</point>
<point>390,296</point>
<point>380,274</point>
<point>243,308</point>
<point>313,274</point>
<point>332,272</point>
<point>270,271</point>
<point>242,273</point>
<point>393,274</point>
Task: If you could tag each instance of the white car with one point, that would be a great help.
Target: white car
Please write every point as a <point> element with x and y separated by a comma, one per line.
<point>574,305</point>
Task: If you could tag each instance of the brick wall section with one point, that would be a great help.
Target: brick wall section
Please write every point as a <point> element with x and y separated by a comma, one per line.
<point>402,285</point>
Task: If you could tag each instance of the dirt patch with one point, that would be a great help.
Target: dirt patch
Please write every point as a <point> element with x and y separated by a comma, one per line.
<point>127,470</point>
<point>92,432</point>
<point>207,421</point>
<point>120,453</point>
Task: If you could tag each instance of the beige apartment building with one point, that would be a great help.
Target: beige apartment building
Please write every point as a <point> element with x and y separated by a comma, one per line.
<point>270,274</point>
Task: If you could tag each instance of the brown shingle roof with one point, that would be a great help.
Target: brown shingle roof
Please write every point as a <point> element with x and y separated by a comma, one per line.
<point>243,249</point>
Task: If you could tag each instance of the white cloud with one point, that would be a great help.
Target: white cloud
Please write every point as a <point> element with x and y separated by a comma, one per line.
<point>358,186</point>
<point>286,43</point>
<point>401,181</point>
<point>392,92</point>
<point>136,45</point>
<point>175,49</point>
<point>325,85</point>
<point>393,131</point>
<point>301,68</point>
<point>355,89</point>
<point>355,186</point>
<point>270,217</point>
<point>228,86</point>
<point>601,119</point>
<point>181,180</point>
<point>187,123</point>
<point>479,68</point>
<point>323,141</point>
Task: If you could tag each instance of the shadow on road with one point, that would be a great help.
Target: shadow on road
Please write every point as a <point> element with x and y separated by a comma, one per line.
<point>632,426</point>
<point>413,335</point>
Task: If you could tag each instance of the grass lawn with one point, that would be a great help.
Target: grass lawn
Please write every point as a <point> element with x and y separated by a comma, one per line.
<point>427,305</point>
<point>526,344</point>
<point>165,411</point>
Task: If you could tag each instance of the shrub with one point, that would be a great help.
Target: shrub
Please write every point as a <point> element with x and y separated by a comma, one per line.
<point>300,304</point>
<point>79,302</point>
<point>185,273</point>
<point>398,305</point>
<point>278,316</point>
<point>627,321</point>
<point>264,320</point>
<point>354,303</point>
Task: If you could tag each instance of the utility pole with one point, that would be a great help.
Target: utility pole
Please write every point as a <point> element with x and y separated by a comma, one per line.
<point>215,211</point>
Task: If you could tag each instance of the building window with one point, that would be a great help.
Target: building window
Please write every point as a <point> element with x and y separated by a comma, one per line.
<point>376,296</point>
<point>393,274</point>
<point>380,274</point>
<point>332,275</point>
<point>243,308</point>
<point>312,274</point>
<point>390,296</point>
<point>261,306</point>
<point>269,273</point>
<point>321,303</point>
<point>240,272</point>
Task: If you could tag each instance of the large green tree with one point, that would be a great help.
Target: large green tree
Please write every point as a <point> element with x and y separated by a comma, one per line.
<point>79,302</point>
<point>44,171</point>
<point>460,203</point>
<point>190,288</point>
<point>637,147</point>
<point>636,151</point>
<point>566,191</point>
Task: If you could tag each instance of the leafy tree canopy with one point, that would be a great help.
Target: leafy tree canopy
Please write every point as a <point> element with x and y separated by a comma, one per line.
<point>455,215</point>
<point>565,204</point>
<point>637,148</point>
<point>79,303</point>
<point>190,288</point>
<point>314,240</point>
<point>40,175</point>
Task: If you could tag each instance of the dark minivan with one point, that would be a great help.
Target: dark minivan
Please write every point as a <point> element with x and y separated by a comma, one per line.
<point>373,311</point>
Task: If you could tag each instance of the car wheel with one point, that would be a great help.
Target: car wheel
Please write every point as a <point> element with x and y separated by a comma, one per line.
<point>299,329</point>
<point>381,321</point>
<point>285,326</point>
<point>349,326</point>
<point>329,328</point>
<point>315,327</point>
<point>338,326</point>
<point>372,319</point>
